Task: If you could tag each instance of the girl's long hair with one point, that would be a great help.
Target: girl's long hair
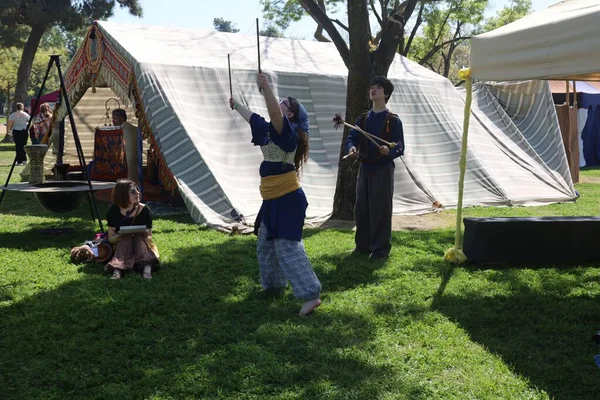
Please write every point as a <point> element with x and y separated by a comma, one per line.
<point>302,148</point>
<point>45,110</point>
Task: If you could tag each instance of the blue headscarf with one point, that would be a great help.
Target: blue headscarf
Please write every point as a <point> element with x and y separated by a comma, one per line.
<point>302,120</point>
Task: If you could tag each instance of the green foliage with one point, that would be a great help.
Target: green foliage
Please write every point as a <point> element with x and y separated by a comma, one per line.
<point>23,23</point>
<point>53,42</point>
<point>438,42</point>
<point>39,68</point>
<point>271,31</point>
<point>59,39</point>
<point>439,46</point>
<point>69,15</point>
<point>222,25</point>
<point>284,12</point>
<point>9,62</point>
<point>281,12</point>
<point>515,10</point>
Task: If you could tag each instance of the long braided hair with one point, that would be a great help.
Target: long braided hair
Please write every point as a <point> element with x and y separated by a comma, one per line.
<point>302,147</point>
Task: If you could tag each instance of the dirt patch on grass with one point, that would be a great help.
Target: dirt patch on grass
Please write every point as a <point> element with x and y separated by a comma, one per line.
<point>589,179</point>
<point>399,222</point>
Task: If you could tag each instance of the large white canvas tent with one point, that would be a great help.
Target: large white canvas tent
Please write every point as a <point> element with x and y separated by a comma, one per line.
<point>177,82</point>
<point>557,43</point>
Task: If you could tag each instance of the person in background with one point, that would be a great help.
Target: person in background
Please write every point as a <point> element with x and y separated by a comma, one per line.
<point>41,123</point>
<point>130,135</point>
<point>119,116</point>
<point>17,125</point>
<point>133,251</point>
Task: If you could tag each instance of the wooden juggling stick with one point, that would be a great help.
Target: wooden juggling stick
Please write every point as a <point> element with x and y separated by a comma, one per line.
<point>339,121</point>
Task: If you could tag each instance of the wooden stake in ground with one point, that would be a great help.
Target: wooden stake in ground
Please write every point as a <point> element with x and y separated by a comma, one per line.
<point>258,49</point>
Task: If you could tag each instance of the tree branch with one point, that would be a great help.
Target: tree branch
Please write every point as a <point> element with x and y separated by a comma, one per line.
<point>440,33</point>
<point>384,11</point>
<point>341,24</point>
<point>319,35</point>
<point>391,34</point>
<point>451,48</point>
<point>437,48</point>
<point>319,32</point>
<point>405,8</point>
<point>372,3</point>
<point>319,15</point>
<point>418,23</point>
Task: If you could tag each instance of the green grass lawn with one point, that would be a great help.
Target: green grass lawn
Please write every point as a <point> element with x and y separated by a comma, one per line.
<point>413,327</point>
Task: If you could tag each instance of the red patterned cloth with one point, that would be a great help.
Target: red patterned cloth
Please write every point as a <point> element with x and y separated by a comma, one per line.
<point>109,162</point>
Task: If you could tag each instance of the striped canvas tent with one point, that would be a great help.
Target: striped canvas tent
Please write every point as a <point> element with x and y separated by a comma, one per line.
<point>177,83</point>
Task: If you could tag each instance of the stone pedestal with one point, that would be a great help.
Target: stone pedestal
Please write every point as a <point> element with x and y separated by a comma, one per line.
<point>36,154</point>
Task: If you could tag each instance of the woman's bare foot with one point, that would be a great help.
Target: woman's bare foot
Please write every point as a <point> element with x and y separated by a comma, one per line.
<point>309,307</point>
<point>116,274</point>
<point>147,272</point>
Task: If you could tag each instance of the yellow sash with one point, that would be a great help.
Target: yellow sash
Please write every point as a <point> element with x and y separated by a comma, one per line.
<point>275,186</point>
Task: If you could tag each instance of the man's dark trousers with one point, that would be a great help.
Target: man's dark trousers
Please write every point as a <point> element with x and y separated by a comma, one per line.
<point>373,208</point>
<point>20,138</point>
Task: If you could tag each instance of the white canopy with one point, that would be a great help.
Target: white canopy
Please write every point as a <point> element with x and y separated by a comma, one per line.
<point>559,42</point>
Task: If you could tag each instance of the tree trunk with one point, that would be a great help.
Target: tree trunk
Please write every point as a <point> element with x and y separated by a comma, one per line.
<point>360,71</point>
<point>24,71</point>
<point>393,33</point>
<point>7,139</point>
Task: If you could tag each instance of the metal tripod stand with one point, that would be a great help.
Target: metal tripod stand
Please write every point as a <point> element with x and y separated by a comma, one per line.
<point>54,59</point>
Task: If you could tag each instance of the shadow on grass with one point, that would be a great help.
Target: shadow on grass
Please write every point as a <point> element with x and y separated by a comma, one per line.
<point>22,203</point>
<point>66,234</point>
<point>200,329</point>
<point>543,333</point>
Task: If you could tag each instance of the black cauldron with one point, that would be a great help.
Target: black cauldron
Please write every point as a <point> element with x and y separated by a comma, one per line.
<point>62,196</point>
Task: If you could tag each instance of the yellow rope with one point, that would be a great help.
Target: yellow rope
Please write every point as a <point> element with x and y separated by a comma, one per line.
<point>275,186</point>
<point>456,254</point>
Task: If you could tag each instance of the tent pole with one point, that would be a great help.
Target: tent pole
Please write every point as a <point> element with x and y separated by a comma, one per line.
<point>456,254</point>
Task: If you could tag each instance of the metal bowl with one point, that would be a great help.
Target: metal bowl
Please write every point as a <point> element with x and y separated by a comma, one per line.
<point>67,196</point>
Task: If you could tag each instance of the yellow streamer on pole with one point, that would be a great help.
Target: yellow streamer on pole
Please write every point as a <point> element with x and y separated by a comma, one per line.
<point>456,254</point>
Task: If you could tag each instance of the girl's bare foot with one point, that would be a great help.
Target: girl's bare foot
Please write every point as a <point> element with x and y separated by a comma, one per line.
<point>309,307</point>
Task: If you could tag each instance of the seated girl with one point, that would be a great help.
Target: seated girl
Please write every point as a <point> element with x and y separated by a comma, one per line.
<point>133,251</point>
